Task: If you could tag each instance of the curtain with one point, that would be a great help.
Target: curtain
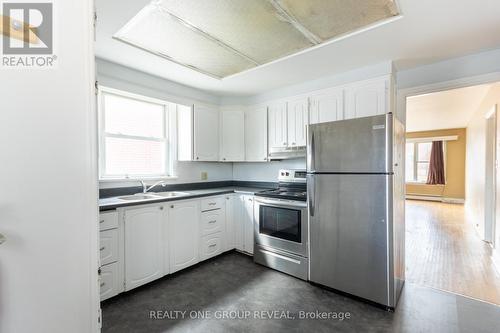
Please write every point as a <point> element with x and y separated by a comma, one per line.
<point>436,165</point>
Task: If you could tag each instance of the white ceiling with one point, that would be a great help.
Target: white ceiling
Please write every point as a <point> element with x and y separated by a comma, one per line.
<point>444,109</point>
<point>428,31</point>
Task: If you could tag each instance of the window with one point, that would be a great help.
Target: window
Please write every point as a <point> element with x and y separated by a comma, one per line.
<point>418,156</point>
<point>133,136</point>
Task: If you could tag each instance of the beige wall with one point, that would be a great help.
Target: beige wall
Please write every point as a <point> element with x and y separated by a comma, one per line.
<point>455,166</point>
<point>476,160</point>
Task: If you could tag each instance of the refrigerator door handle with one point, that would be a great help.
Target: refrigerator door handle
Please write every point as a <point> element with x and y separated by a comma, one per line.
<point>311,189</point>
<point>311,154</point>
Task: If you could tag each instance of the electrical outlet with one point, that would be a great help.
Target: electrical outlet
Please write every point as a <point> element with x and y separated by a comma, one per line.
<point>204,175</point>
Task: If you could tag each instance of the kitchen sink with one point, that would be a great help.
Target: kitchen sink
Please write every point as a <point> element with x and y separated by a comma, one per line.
<point>171,194</point>
<point>136,197</point>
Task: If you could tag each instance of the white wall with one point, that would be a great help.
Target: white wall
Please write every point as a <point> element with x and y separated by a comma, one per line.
<point>476,161</point>
<point>48,193</point>
<point>359,74</point>
<point>452,69</point>
<point>119,77</point>
<point>266,172</point>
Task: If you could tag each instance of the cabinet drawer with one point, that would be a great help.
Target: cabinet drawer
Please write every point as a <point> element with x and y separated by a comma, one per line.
<point>108,246</point>
<point>212,221</point>
<point>211,246</point>
<point>108,220</point>
<point>109,281</point>
<point>212,203</point>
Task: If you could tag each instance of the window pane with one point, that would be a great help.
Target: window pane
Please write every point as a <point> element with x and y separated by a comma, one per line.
<point>424,151</point>
<point>132,117</point>
<point>134,157</point>
<point>410,160</point>
<point>422,171</point>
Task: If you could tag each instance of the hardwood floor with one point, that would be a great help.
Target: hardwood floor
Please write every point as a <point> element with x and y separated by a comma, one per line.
<point>444,252</point>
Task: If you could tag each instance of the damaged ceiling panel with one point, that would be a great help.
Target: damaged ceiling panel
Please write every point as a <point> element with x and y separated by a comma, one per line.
<point>328,19</point>
<point>224,37</point>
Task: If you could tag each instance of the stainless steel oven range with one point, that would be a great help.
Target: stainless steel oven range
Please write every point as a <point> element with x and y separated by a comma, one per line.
<point>281,225</point>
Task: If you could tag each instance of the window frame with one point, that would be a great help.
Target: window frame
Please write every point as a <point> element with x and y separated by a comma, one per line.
<point>415,144</point>
<point>102,135</point>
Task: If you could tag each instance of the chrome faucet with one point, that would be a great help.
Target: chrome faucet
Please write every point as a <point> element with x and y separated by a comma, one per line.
<point>146,189</point>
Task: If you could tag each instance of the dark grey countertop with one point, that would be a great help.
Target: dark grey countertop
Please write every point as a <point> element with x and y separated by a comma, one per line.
<point>113,202</point>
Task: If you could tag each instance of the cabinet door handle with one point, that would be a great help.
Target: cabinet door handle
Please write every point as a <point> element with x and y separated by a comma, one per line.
<point>212,203</point>
<point>197,158</point>
<point>103,284</point>
<point>212,245</point>
<point>161,207</point>
<point>172,206</point>
<point>101,221</point>
<point>102,248</point>
<point>213,221</point>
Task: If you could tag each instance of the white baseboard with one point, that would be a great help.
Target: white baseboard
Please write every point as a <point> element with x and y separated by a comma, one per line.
<point>435,198</point>
<point>454,200</point>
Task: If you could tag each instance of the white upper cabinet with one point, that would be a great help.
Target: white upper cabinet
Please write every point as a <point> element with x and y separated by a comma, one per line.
<point>144,245</point>
<point>232,136</point>
<point>206,133</point>
<point>367,98</point>
<point>278,136</point>
<point>326,105</point>
<point>183,234</point>
<point>256,134</point>
<point>297,117</point>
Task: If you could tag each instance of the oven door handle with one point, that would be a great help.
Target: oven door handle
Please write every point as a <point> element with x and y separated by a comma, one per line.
<point>279,204</point>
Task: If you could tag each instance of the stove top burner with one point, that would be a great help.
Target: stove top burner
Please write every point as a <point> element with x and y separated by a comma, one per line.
<point>298,193</point>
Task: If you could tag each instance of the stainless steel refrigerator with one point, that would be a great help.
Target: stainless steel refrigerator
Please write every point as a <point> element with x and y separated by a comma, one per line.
<point>355,181</point>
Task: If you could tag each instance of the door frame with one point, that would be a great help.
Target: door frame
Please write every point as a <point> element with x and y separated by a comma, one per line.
<point>403,94</point>
<point>490,175</point>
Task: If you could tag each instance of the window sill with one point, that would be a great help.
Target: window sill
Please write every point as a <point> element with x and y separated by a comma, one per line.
<point>137,179</point>
<point>421,183</point>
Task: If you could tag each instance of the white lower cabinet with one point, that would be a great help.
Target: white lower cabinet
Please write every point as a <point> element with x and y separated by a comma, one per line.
<point>110,276</point>
<point>229,242</point>
<point>144,229</point>
<point>243,223</point>
<point>211,246</point>
<point>183,234</point>
<point>158,239</point>
<point>108,246</point>
<point>248,224</point>
<point>213,221</point>
<point>109,281</point>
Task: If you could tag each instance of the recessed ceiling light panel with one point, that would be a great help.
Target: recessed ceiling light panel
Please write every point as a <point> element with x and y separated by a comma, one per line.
<point>224,37</point>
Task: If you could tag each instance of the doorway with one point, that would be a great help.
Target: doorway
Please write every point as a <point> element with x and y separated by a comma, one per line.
<point>451,190</point>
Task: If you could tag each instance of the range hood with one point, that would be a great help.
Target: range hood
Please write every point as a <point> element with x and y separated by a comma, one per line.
<point>286,153</point>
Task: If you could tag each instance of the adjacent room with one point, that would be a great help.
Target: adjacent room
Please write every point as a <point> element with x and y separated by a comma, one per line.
<point>451,209</point>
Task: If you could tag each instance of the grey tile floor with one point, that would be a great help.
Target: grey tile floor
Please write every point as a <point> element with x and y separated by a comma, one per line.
<point>232,285</point>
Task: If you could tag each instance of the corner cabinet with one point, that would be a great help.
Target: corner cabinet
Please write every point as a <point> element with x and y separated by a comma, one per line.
<point>144,229</point>
<point>232,136</point>
<point>256,134</point>
<point>183,234</point>
<point>367,98</point>
<point>206,133</point>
